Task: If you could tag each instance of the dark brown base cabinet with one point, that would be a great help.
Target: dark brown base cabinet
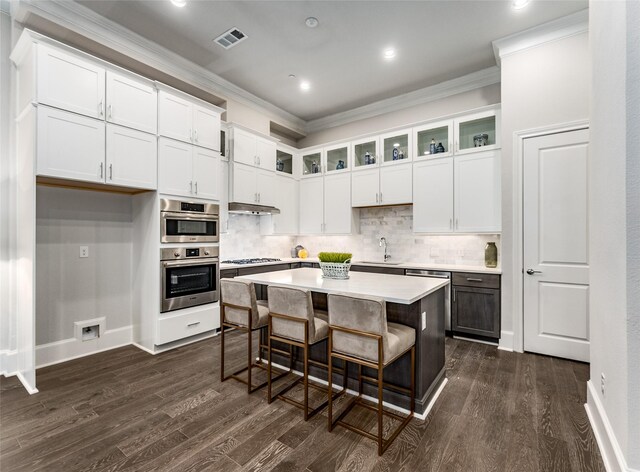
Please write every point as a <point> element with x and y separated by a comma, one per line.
<point>475,304</point>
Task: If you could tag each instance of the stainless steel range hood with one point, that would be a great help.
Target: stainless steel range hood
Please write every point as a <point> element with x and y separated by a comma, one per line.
<point>252,209</point>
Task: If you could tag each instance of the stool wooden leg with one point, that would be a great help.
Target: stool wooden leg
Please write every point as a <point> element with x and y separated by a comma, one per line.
<point>306,381</point>
<point>380,411</point>
<point>269,399</point>
<point>250,363</point>
<point>330,382</point>
<point>413,379</point>
<point>222,378</point>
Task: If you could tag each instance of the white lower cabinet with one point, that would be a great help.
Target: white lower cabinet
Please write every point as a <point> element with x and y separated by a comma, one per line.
<point>253,185</point>
<point>131,158</point>
<point>181,324</point>
<point>387,185</point>
<point>286,200</point>
<point>433,196</point>
<point>70,146</point>
<point>187,170</point>
<point>457,194</point>
<point>325,207</point>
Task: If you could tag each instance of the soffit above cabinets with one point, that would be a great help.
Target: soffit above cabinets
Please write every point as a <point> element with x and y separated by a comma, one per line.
<point>435,42</point>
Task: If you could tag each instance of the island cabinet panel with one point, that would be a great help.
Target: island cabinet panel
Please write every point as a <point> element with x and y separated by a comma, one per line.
<point>475,304</point>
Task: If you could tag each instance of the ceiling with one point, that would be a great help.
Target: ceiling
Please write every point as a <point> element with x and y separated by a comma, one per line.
<point>342,57</point>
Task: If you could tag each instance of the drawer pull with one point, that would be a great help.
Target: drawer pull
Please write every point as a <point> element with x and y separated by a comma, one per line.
<point>472,279</point>
<point>193,324</point>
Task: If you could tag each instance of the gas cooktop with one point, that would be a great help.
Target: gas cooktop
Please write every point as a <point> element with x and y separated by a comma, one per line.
<point>256,260</point>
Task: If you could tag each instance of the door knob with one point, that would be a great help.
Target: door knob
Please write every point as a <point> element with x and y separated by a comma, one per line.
<point>531,271</point>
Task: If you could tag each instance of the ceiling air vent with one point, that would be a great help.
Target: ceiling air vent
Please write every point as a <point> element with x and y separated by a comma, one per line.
<point>230,38</point>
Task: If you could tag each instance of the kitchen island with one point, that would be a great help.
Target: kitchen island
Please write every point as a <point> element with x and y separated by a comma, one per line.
<point>413,301</point>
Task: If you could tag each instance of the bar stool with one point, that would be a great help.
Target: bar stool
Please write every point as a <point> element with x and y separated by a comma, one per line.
<point>359,333</point>
<point>292,320</point>
<point>239,309</point>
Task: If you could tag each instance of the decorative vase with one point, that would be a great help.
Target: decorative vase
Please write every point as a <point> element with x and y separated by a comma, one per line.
<point>491,255</point>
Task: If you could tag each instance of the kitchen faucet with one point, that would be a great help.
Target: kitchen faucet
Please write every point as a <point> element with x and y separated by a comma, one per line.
<point>383,240</point>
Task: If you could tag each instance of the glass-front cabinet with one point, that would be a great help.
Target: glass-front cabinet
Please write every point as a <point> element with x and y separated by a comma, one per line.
<point>365,152</point>
<point>396,146</point>
<point>338,158</point>
<point>433,140</point>
<point>477,132</point>
<point>312,162</point>
<point>284,161</point>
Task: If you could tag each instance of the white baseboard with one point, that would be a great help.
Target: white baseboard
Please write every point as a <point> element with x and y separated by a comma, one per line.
<point>612,455</point>
<point>506,341</point>
<point>72,348</point>
<point>8,363</point>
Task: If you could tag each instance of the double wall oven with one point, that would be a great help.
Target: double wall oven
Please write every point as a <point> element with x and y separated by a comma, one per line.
<point>189,273</point>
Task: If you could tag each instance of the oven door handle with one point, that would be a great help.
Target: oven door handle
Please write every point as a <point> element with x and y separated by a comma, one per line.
<point>182,216</point>
<point>184,263</point>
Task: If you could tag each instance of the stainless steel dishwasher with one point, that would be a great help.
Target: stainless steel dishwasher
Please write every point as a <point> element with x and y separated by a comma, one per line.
<point>447,291</point>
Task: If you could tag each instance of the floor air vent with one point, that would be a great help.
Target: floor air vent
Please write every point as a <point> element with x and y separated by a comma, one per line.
<point>230,38</point>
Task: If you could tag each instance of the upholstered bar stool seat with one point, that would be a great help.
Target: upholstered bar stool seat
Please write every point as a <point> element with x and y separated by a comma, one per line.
<point>293,320</point>
<point>359,333</point>
<point>239,309</point>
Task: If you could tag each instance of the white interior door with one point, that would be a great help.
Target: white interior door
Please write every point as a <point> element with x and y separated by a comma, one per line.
<point>556,245</point>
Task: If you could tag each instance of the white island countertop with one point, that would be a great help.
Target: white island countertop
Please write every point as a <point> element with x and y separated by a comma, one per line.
<point>393,288</point>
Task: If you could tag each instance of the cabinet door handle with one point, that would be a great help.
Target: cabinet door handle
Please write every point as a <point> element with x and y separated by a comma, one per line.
<point>196,187</point>
<point>380,197</point>
<point>191,186</point>
<point>110,171</point>
<point>101,108</point>
<point>454,295</point>
<point>193,324</point>
<point>456,223</point>
<point>450,223</point>
<point>110,111</point>
<point>258,160</point>
<point>376,198</point>
<point>259,197</point>
<point>195,134</point>
<point>255,197</point>
<point>457,146</point>
<point>101,169</point>
<point>190,135</point>
<point>473,279</point>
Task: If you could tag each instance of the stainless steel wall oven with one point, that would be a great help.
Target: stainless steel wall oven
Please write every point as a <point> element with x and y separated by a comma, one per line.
<point>190,276</point>
<point>188,222</point>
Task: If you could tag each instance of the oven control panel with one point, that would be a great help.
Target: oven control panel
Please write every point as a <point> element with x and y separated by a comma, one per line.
<point>176,253</point>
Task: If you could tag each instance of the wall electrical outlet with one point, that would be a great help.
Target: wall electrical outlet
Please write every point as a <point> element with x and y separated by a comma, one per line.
<point>602,382</point>
<point>84,251</point>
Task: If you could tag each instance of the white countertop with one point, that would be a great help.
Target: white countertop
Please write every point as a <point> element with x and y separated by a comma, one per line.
<point>401,265</point>
<point>393,288</point>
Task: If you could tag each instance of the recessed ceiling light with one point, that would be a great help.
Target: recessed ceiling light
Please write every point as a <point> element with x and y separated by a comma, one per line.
<point>389,53</point>
<point>518,4</point>
<point>304,85</point>
<point>311,22</point>
<point>179,3</point>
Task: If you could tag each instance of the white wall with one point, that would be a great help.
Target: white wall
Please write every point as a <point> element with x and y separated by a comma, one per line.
<point>541,86</point>
<point>394,223</point>
<point>615,226</point>
<point>477,98</point>
<point>73,289</point>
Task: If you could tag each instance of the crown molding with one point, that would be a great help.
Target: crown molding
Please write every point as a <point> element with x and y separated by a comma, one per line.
<point>85,22</point>
<point>564,27</point>
<point>439,91</point>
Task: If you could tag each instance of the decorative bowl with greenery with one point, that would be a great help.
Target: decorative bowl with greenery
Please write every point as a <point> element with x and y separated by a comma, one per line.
<point>335,265</point>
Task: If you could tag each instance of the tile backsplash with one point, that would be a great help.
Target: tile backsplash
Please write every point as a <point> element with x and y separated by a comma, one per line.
<point>394,223</point>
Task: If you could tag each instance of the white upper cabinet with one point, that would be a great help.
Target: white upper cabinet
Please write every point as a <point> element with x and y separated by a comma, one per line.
<point>70,82</point>
<point>396,147</point>
<point>365,188</point>
<point>311,206</point>
<point>131,102</point>
<point>187,170</point>
<point>253,185</point>
<point>389,185</point>
<point>433,140</point>
<point>286,200</point>
<point>70,146</point>
<point>477,192</point>
<point>433,196</point>
<point>395,185</point>
<point>131,158</point>
<point>251,149</point>
<point>206,127</point>
<point>185,119</point>
<point>337,158</point>
<point>338,214</point>
<point>266,187</point>
<point>477,131</point>
<point>312,162</point>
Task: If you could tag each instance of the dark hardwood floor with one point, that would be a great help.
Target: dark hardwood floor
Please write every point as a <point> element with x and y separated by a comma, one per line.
<point>127,410</point>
